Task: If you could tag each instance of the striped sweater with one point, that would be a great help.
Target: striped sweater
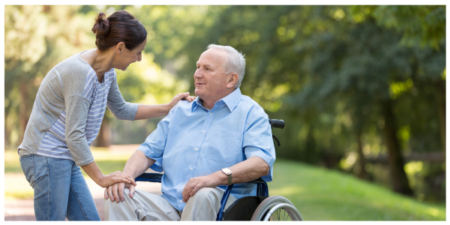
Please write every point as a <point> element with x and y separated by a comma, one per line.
<point>69,109</point>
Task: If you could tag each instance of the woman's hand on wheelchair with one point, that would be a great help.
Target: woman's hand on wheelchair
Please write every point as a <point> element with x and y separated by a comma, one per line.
<point>115,192</point>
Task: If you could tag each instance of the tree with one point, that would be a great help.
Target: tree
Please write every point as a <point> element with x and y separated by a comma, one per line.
<point>326,55</point>
<point>35,41</point>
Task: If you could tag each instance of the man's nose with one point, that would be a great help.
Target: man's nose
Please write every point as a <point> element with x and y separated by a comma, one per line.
<point>139,58</point>
<point>197,74</point>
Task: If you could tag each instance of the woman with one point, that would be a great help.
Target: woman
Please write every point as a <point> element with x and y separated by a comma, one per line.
<point>67,115</point>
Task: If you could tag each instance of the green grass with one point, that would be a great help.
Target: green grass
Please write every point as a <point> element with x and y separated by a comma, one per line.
<point>318,194</point>
<point>321,194</point>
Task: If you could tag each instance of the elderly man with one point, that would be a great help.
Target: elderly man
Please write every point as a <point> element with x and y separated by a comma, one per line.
<point>221,138</point>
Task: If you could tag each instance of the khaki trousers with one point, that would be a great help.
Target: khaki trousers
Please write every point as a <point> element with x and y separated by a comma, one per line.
<point>144,206</point>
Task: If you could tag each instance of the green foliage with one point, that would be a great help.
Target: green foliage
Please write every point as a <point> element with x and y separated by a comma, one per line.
<point>420,25</point>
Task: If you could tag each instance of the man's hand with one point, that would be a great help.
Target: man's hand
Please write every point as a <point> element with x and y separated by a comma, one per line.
<point>115,192</point>
<point>196,183</point>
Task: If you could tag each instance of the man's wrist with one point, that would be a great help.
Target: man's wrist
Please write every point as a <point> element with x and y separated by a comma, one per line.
<point>228,173</point>
<point>219,178</point>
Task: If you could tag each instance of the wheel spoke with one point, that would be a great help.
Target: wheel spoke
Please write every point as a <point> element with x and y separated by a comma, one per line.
<point>278,216</point>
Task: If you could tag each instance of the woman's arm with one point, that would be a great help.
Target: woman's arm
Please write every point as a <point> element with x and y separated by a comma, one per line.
<point>150,111</point>
<point>135,166</point>
<point>123,110</point>
<point>106,180</point>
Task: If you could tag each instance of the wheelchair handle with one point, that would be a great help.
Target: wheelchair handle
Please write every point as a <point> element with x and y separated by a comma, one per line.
<point>276,123</point>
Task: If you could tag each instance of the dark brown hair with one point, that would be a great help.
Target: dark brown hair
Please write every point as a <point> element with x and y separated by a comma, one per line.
<point>121,26</point>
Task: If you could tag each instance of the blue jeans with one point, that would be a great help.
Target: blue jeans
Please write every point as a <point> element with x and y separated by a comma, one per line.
<point>60,190</point>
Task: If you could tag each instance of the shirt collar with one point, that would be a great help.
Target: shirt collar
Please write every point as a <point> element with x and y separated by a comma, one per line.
<point>230,100</point>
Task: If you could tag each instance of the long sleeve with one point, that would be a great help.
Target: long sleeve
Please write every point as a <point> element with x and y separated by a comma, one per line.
<point>76,115</point>
<point>121,109</point>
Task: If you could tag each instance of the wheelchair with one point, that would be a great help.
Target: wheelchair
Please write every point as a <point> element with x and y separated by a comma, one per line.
<point>256,208</point>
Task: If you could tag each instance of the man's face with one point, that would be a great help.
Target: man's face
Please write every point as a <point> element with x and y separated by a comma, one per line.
<point>210,79</point>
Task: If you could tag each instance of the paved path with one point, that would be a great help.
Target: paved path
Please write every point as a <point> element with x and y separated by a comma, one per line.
<point>23,210</point>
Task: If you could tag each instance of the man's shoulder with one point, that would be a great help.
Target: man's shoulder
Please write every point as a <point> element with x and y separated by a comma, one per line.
<point>249,102</point>
<point>251,105</point>
<point>183,105</point>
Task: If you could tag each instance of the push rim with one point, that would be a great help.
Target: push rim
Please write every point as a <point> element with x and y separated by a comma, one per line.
<point>276,207</point>
<point>282,212</point>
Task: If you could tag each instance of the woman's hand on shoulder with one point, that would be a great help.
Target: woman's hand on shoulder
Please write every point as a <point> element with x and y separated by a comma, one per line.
<point>180,96</point>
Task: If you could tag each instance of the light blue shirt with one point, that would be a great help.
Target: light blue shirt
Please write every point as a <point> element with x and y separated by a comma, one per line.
<point>192,141</point>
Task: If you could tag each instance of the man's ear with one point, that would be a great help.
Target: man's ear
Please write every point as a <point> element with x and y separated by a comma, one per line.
<point>234,78</point>
<point>120,48</point>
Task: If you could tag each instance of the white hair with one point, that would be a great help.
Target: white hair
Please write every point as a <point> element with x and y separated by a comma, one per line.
<point>234,62</point>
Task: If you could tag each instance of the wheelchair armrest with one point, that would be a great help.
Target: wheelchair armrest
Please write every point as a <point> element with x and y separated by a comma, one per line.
<point>151,177</point>
<point>257,181</point>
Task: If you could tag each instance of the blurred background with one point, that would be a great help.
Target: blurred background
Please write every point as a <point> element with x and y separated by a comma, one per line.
<point>361,89</point>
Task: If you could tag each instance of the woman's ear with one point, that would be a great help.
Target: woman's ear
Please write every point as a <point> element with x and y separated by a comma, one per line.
<point>120,48</point>
<point>234,78</point>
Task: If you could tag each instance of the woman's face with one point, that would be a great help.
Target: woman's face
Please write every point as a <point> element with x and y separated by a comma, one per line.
<point>126,57</point>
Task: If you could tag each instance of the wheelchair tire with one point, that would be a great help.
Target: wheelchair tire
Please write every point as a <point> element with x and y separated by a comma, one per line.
<point>276,208</point>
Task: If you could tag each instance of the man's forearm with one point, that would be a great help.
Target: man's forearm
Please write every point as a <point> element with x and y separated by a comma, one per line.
<point>248,170</point>
<point>151,111</point>
<point>137,164</point>
<point>245,171</point>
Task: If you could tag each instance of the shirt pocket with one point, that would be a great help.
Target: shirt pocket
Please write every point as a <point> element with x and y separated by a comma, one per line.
<point>225,147</point>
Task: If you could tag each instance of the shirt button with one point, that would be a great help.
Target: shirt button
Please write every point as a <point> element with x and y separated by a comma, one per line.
<point>203,131</point>
<point>210,113</point>
<point>181,200</point>
<point>196,149</point>
<point>190,168</point>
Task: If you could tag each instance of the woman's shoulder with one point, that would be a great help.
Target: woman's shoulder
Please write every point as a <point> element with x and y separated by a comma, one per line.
<point>74,63</point>
<point>72,67</point>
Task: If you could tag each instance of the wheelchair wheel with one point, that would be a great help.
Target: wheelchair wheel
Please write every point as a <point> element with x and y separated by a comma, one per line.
<point>276,208</point>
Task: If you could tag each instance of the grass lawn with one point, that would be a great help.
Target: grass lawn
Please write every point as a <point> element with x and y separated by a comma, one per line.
<point>318,194</point>
<point>321,194</point>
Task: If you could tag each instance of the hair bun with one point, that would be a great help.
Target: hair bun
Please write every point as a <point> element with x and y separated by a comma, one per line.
<point>101,26</point>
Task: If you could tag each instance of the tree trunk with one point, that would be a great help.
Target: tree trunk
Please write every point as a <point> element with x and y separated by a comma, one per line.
<point>6,131</point>
<point>23,109</point>
<point>361,171</point>
<point>310,149</point>
<point>104,135</point>
<point>440,95</point>
<point>399,179</point>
